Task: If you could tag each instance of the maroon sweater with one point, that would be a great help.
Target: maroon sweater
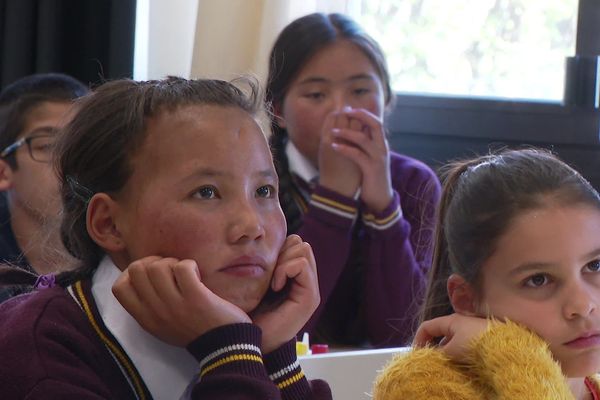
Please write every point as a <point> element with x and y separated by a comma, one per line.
<point>372,266</point>
<point>53,345</point>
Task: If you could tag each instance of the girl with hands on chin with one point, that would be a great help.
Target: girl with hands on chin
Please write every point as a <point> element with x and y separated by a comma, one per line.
<point>188,286</point>
<point>511,310</point>
<point>366,210</point>
<point>168,298</point>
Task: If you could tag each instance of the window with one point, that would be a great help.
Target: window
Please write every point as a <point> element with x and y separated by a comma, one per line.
<point>490,48</point>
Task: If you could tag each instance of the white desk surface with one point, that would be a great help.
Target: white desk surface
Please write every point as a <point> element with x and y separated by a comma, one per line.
<point>350,374</point>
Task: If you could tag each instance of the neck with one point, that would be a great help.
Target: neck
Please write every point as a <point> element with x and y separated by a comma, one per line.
<point>39,241</point>
<point>579,389</point>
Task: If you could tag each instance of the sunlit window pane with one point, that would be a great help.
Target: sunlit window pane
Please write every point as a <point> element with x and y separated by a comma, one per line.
<point>491,48</point>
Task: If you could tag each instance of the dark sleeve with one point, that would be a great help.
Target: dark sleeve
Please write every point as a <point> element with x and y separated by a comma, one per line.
<point>231,365</point>
<point>327,227</point>
<point>285,371</point>
<point>398,256</point>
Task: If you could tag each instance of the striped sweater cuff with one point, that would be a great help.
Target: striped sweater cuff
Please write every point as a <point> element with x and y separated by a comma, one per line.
<point>230,348</point>
<point>285,371</point>
<point>386,218</point>
<point>333,207</point>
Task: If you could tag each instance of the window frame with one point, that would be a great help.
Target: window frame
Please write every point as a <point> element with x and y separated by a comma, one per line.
<point>446,127</point>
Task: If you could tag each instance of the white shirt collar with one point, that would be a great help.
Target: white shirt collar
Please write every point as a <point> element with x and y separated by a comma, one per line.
<point>299,164</point>
<point>166,370</point>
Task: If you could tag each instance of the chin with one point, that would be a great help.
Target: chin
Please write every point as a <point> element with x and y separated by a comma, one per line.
<point>247,302</point>
<point>580,368</point>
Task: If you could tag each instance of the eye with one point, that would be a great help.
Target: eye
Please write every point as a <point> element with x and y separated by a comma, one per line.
<point>593,266</point>
<point>41,143</point>
<point>315,95</point>
<point>207,192</point>
<point>266,191</point>
<point>361,91</point>
<point>537,280</point>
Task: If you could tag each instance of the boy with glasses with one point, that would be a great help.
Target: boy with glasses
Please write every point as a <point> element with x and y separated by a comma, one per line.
<point>32,110</point>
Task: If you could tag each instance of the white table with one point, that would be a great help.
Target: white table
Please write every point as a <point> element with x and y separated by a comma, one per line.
<point>350,374</point>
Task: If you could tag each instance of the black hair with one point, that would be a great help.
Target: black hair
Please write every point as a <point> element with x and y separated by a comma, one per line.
<point>19,98</point>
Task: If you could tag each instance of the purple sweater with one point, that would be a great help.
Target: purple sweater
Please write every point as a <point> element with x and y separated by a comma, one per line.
<point>372,267</point>
<point>53,345</point>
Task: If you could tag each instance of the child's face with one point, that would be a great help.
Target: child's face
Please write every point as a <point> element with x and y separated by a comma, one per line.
<point>34,184</point>
<point>204,188</point>
<point>336,76</point>
<point>545,274</point>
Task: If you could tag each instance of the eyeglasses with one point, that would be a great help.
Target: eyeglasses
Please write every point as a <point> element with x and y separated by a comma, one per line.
<point>40,147</point>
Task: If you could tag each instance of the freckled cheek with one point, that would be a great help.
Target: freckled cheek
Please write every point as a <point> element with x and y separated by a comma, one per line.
<point>277,232</point>
<point>183,238</point>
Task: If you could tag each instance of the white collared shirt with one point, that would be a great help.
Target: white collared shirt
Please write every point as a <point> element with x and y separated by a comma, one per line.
<point>166,370</point>
<point>299,164</point>
<point>302,167</point>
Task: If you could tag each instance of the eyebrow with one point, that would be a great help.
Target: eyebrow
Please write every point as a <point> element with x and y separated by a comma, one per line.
<point>42,130</point>
<point>318,79</point>
<point>207,172</point>
<point>536,266</point>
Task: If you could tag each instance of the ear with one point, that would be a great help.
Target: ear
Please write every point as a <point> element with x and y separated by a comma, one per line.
<point>462,295</point>
<point>6,176</point>
<point>100,219</point>
<point>278,115</point>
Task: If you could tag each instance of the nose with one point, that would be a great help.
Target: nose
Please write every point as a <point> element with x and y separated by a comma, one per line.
<point>580,301</point>
<point>340,100</point>
<point>246,224</point>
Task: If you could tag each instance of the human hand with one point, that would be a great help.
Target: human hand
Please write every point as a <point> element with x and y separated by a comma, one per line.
<point>363,142</point>
<point>337,172</point>
<point>456,330</point>
<point>279,324</point>
<point>168,299</point>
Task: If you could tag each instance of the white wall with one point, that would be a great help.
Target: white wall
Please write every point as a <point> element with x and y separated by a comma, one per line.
<point>164,38</point>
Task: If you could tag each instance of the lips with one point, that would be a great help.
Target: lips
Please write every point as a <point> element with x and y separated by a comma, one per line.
<point>587,339</point>
<point>246,267</point>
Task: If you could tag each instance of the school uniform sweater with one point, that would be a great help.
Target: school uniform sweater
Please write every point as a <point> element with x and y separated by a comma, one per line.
<point>505,362</point>
<point>55,345</point>
<point>371,266</point>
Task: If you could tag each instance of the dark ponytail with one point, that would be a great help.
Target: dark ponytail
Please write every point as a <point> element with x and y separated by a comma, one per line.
<point>437,302</point>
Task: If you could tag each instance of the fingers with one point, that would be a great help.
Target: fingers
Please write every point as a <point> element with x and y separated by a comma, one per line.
<point>292,263</point>
<point>296,264</point>
<point>363,139</point>
<point>370,123</point>
<point>291,241</point>
<point>429,330</point>
<point>168,299</point>
<point>187,277</point>
<point>159,274</point>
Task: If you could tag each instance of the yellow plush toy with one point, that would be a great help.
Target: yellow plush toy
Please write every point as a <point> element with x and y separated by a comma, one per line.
<point>505,362</point>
